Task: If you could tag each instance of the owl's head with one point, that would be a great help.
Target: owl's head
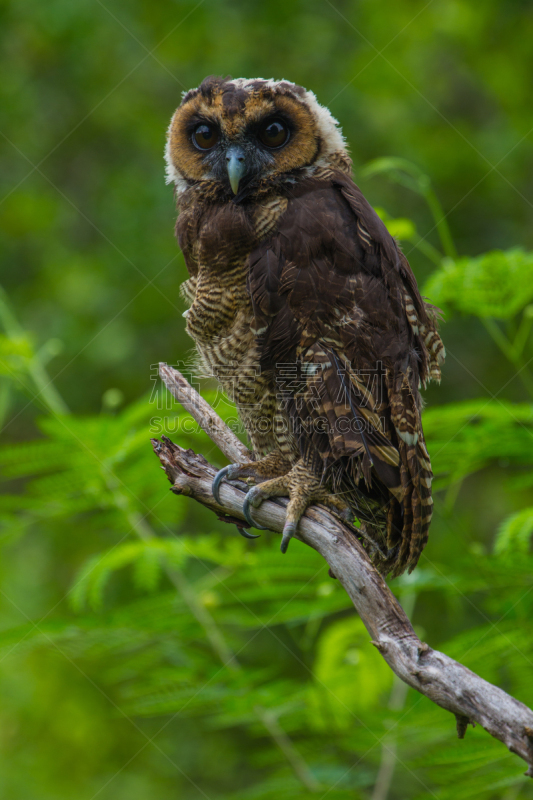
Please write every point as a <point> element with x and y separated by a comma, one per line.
<point>234,132</point>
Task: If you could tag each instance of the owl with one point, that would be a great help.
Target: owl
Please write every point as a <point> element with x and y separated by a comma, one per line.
<point>304,308</point>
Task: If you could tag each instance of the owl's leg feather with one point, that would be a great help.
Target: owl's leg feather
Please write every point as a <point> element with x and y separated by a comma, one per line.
<point>304,489</point>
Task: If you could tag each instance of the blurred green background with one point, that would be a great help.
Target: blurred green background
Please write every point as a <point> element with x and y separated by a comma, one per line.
<point>146,650</point>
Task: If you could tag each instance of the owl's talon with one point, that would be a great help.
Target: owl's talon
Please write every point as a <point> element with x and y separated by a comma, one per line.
<point>289,529</point>
<point>217,480</point>
<point>251,500</point>
<point>247,535</point>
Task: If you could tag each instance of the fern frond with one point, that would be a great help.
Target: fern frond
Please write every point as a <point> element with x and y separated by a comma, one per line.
<point>514,534</point>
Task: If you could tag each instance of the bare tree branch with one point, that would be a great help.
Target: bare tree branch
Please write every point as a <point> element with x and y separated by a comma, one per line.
<point>209,421</point>
<point>444,681</point>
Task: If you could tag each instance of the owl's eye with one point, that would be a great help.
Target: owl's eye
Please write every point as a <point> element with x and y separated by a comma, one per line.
<point>274,134</point>
<point>205,136</point>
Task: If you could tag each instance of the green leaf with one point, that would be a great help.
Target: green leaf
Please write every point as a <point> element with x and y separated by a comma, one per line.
<point>15,353</point>
<point>401,228</point>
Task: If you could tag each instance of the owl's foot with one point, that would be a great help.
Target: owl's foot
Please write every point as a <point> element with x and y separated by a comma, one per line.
<point>273,465</point>
<point>304,489</point>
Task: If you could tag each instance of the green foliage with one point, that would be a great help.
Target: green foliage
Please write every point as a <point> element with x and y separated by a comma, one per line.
<point>146,559</point>
<point>496,284</point>
<point>469,436</point>
<point>14,354</point>
<point>146,650</point>
<point>514,534</point>
<point>343,664</point>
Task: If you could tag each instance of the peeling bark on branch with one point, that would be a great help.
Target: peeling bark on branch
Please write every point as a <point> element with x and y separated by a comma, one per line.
<point>443,680</point>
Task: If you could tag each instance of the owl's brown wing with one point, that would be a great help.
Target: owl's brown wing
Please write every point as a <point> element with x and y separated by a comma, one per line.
<point>348,339</point>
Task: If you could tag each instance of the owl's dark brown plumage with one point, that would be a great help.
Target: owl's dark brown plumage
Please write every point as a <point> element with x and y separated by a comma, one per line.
<point>305,309</point>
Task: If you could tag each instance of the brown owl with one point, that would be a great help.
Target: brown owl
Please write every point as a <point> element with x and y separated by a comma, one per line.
<point>306,311</point>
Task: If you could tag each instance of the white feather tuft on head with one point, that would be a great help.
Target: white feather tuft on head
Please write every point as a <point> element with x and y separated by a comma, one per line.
<point>172,173</point>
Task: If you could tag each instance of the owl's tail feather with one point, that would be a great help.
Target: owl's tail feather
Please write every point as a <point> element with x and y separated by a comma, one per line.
<point>417,504</point>
<point>415,471</point>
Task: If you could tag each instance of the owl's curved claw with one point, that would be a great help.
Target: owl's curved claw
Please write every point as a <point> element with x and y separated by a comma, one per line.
<point>289,529</point>
<point>217,480</point>
<point>251,500</point>
<point>248,535</point>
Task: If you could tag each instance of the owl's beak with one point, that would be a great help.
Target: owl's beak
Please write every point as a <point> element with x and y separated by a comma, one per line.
<point>236,167</point>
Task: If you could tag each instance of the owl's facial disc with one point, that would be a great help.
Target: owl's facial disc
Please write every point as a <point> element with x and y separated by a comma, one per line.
<point>238,133</point>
